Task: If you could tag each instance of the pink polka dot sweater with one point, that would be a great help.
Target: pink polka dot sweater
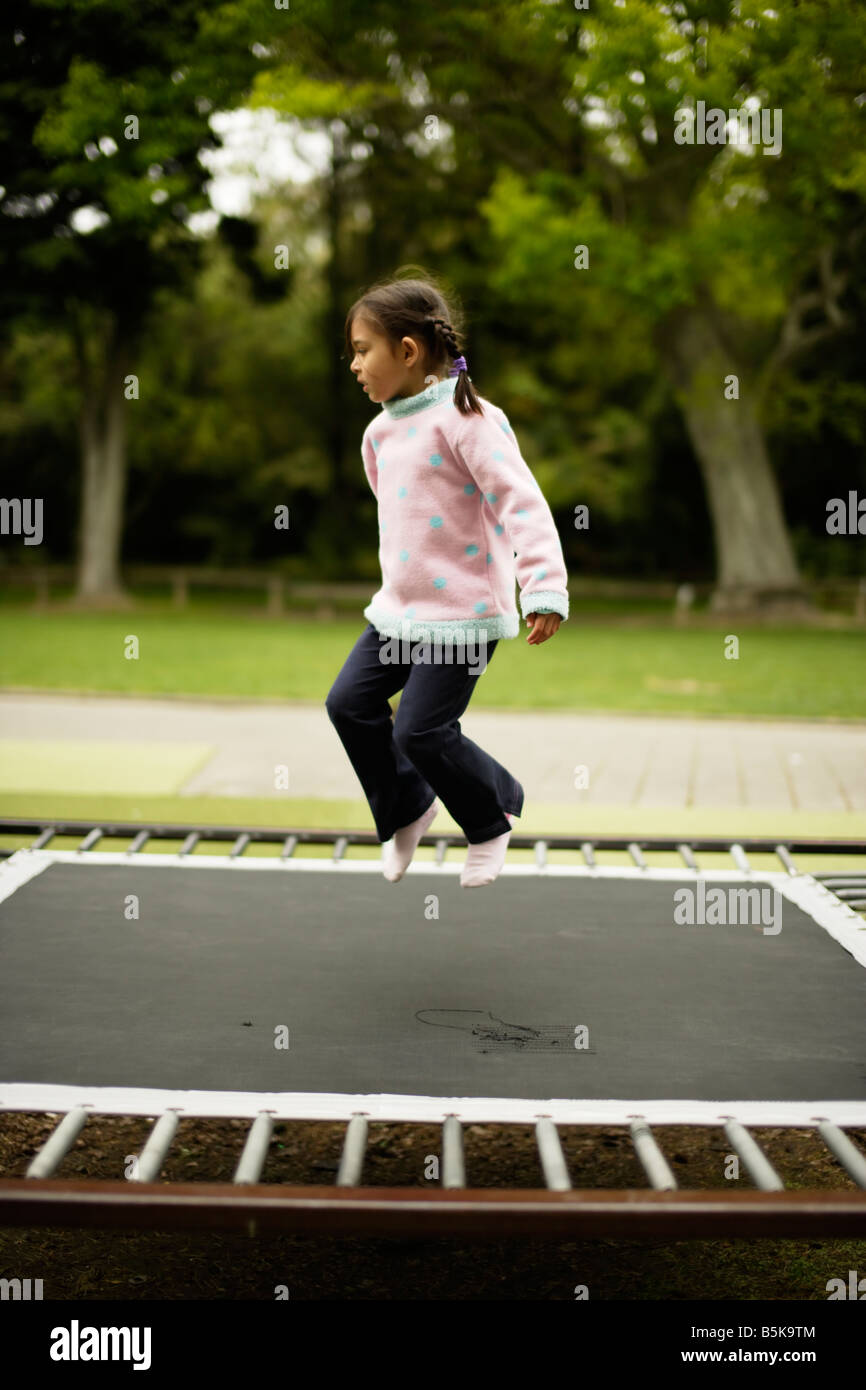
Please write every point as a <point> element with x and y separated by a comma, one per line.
<point>459,513</point>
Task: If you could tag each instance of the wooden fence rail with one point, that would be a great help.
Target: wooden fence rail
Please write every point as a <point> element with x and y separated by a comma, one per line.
<point>281,592</point>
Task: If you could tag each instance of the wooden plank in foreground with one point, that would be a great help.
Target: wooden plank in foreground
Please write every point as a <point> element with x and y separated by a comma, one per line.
<point>401,1211</point>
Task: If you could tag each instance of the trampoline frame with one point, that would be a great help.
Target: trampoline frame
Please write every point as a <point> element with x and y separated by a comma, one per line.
<point>349,1208</point>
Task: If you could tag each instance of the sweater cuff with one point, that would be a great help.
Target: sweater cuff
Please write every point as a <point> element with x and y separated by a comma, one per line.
<point>544,601</point>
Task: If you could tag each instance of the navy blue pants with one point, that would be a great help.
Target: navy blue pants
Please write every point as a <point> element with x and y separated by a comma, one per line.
<point>404,761</point>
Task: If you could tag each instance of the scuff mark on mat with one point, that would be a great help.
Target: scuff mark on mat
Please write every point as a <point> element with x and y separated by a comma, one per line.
<point>488,1032</point>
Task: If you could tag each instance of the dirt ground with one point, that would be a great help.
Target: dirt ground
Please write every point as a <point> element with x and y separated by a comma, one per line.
<point>135,1266</point>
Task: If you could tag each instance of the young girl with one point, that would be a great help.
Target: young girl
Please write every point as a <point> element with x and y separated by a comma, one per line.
<point>456,500</point>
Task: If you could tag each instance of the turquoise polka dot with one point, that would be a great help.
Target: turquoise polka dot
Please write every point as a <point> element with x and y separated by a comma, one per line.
<point>377,444</point>
<point>504,426</point>
<point>472,550</point>
<point>439,583</point>
<point>404,555</point>
<point>480,607</point>
<point>499,529</point>
<point>498,456</point>
<point>469,489</point>
<point>522,511</point>
<point>435,521</point>
<point>539,574</point>
<point>435,459</point>
<point>401,491</point>
<point>413,429</point>
<point>491,497</point>
<point>489,558</point>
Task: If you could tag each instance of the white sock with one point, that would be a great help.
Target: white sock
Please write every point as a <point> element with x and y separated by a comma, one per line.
<point>484,861</point>
<point>397,853</point>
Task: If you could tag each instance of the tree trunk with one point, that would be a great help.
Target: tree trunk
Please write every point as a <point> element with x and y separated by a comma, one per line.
<point>334,536</point>
<point>755,564</point>
<point>338,373</point>
<point>102,429</point>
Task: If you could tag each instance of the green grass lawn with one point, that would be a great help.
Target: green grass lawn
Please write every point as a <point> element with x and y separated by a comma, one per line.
<point>647,667</point>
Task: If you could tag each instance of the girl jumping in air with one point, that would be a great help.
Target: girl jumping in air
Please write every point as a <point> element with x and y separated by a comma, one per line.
<point>456,500</point>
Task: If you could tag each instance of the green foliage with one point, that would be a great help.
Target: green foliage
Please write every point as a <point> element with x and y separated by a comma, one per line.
<point>289,89</point>
<point>107,120</point>
<point>667,219</point>
<point>546,138</point>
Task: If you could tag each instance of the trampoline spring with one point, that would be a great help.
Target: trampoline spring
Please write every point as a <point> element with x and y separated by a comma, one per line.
<point>91,838</point>
<point>152,1156</point>
<point>453,1164</point>
<point>189,843</point>
<point>340,848</point>
<point>552,1158</point>
<point>140,840</point>
<point>58,1143</point>
<point>352,1156</point>
<point>239,846</point>
<point>636,853</point>
<point>758,1165</point>
<point>255,1152</point>
<point>44,837</point>
<point>738,854</point>
<point>687,855</point>
<point>783,853</point>
<point>842,1148</point>
<point>588,852</point>
<point>441,850</point>
<point>540,853</point>
<point>289,847</point>
<point>652,1160</point>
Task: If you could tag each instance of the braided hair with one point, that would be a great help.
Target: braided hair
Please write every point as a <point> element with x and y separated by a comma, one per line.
<point>409,306</point>
<point>448,336</point>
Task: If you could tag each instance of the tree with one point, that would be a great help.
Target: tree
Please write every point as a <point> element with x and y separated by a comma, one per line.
<point>714,266</point>
<point>733,261</point>
<point>104,121</point>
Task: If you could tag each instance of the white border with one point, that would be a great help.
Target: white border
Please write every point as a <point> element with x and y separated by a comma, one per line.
<point>19,868</point>
<point>841,921</point>
<point>303,1105</point>
<point>835,917</point>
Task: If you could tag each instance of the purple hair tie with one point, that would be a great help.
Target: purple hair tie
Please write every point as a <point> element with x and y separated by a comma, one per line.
<point>459,366</point>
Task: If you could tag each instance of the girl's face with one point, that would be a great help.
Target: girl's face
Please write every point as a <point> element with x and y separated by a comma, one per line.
<point>385,370</point>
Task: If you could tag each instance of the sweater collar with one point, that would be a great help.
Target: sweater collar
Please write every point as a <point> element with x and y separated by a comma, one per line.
<point>443,390</point>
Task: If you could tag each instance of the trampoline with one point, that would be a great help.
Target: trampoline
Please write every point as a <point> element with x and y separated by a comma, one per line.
<point>301,988</point>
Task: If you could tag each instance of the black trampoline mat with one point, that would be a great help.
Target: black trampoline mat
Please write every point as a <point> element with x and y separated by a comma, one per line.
<point>380,997</point>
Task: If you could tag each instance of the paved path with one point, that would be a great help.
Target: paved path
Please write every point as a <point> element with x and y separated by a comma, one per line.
<point>623,760</point>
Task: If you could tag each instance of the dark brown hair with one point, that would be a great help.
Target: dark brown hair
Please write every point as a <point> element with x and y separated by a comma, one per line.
<point>407,306</point>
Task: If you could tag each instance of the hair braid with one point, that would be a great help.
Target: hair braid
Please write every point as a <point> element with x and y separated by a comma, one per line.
<point>448,335</point>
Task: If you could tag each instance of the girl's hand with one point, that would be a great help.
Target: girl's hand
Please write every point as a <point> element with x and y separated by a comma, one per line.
<point>544,625</point>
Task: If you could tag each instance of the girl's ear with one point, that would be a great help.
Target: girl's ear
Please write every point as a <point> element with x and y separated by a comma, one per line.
<point>411,351</point>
